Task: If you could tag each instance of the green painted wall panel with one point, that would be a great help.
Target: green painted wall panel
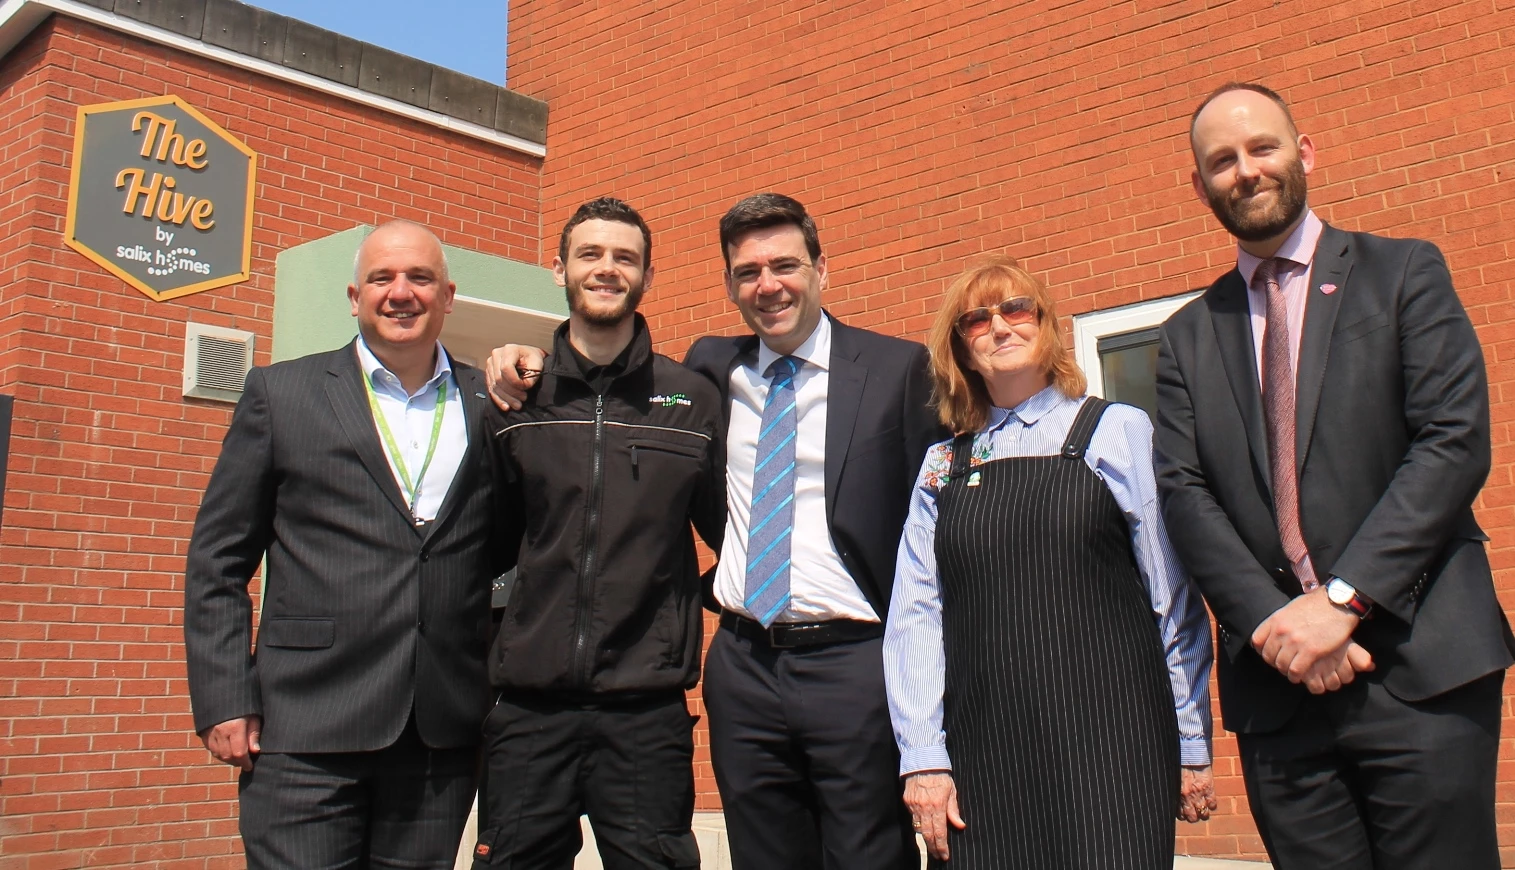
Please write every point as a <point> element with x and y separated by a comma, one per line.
<point>497,279</point>
<point>311,312</point>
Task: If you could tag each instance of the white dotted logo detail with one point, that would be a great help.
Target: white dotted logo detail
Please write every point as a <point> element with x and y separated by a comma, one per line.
<point>175,262</point>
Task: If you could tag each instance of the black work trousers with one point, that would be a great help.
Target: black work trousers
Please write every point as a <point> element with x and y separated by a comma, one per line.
<point>1361,780</point>
<point>628,764</point>
<point>805,757</point>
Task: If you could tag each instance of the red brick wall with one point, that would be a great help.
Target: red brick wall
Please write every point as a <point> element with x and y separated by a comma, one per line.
<point>922,133</point>
<point>98,767</point>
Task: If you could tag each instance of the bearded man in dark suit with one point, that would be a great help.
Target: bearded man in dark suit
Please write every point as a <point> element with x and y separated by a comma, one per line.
<point>361,474</point>
<point>1323,431</point>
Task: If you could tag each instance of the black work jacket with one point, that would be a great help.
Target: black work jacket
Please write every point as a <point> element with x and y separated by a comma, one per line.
<point>603,487</point>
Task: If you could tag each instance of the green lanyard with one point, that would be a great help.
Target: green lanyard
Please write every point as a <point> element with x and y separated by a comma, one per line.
<point>412,490</point>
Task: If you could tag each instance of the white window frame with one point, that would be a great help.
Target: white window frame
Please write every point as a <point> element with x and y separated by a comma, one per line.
<point>1089,328</point>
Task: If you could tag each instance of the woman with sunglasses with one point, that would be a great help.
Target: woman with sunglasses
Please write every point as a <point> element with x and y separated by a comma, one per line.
<point>1047,659</point>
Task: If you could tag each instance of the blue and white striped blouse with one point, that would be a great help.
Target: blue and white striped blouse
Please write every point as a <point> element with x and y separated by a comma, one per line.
<point>1120,452</point>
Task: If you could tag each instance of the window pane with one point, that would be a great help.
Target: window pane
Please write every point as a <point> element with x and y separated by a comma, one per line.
<point>1129,365</point>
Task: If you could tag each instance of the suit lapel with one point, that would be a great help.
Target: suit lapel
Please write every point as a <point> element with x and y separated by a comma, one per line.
<point>844,393</point>
<point>1232,320</point>
<point>471,393</point>
<point>728,355</point>
<point>1332,265</point>
<point>349,403</point>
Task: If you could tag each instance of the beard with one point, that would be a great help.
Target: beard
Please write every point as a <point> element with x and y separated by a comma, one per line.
<point>601,314</point>
<point>1250,222</point>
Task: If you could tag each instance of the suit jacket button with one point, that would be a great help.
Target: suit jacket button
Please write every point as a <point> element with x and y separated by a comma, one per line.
<point>421,626</point>
<point>425,557</point>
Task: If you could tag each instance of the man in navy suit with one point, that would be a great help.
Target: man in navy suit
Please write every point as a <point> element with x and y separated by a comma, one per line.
<point>800,734</point>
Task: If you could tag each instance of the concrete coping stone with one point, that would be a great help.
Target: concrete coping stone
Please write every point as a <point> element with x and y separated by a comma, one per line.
<point>274,38</point>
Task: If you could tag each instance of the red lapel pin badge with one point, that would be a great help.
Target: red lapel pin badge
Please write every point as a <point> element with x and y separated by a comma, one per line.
<point>1328,289</point>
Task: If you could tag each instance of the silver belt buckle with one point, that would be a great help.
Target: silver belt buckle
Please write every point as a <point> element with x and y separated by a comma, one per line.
<point>773,636</point>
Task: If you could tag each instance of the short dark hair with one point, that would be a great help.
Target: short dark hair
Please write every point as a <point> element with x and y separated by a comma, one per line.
<point>1255,88</point>
<point>607,208</point>
<point>764,210</point>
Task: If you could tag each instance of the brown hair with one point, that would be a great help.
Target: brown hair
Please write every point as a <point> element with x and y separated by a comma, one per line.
<point>764,210</point>
<point>607,208</point>
<point>962,397</point>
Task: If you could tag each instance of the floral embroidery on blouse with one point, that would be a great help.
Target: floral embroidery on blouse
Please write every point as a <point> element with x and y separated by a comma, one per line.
<point>939,461</point>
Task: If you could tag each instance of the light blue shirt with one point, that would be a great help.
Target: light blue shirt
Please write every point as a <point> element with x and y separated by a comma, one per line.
<point>1120,452</point>
<point>410,420</point>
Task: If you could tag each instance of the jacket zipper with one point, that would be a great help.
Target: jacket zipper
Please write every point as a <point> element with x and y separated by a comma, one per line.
<point>583,664</point>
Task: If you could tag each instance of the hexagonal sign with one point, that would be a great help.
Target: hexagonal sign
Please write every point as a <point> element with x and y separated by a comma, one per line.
<point>161,197</point>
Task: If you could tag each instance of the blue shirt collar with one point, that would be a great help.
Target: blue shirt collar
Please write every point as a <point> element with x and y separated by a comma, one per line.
<point>1029,411</point>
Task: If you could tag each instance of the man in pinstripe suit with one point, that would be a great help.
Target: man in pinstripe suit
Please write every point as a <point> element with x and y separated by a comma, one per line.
<point>361,474</point>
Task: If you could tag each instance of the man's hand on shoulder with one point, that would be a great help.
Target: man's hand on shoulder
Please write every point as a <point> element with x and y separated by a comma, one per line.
<point>511,371</point>
<point>1308,640</point>
<point>235,741</point>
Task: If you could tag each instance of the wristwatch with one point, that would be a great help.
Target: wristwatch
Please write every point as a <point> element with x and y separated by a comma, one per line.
<point>1342,593</point>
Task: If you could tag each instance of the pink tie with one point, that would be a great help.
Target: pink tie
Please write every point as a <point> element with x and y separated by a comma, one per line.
<point>1278,402</point>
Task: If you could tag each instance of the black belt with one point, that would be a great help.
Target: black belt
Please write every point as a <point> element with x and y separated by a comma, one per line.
<point>788,635</point>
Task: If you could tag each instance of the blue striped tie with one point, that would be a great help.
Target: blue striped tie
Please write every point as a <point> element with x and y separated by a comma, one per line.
<point>772,516</point>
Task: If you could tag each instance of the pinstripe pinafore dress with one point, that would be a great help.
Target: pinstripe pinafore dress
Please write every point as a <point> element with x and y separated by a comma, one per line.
<point>1059,710</point>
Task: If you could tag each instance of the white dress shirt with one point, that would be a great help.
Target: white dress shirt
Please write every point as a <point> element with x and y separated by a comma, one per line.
<point>820,586</point>
<point>410,419</point>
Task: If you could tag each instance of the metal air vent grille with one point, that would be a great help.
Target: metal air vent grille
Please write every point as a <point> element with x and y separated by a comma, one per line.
<point>216,362</point>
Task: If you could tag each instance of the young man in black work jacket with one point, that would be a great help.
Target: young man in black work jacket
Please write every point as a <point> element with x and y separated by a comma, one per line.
<point>614,452</point>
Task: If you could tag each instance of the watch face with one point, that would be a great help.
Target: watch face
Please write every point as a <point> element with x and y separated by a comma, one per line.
<point>1339,592</point>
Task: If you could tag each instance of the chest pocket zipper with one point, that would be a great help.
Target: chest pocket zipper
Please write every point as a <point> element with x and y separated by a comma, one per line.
<point>658,447</point>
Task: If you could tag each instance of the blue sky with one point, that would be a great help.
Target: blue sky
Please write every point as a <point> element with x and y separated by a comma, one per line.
<point>464,35</point>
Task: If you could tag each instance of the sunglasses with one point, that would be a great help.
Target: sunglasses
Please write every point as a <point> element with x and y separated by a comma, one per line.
<point>976,321</point>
